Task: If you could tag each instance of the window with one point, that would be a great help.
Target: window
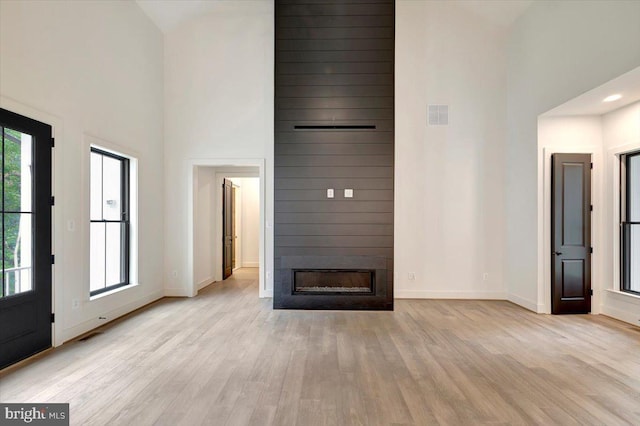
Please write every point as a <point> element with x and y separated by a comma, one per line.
<point>110,222</point>
<point>630,222</point>
<point>17,212</point>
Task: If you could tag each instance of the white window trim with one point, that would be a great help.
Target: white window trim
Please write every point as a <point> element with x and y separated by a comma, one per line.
<point>614,156</point>
<point>132,156</point>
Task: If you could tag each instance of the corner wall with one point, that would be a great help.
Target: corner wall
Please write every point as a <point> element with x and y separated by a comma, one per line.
<point>556,51</point>
<point>94,70</point>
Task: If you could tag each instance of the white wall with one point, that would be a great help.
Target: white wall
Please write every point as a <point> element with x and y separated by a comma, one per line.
<point>93,70</point>
<point>218,105</point>
<point>556,51</point>
<point>449,204</point>
<point>621,133</point>
<point>622,126</point>
<point>204,204</point>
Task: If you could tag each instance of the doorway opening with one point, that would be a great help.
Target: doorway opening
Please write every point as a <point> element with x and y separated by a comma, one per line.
<point>227,229</point>
<point>605,131</point>
<point>571,233</point>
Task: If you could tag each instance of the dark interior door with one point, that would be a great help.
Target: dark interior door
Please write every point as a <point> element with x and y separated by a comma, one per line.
<point>25,291</point>
<point>571,234</point>
<point>227,229</point>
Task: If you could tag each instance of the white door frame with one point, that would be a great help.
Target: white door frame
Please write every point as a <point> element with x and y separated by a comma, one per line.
<point>57,227</point>
<point>192,286</point>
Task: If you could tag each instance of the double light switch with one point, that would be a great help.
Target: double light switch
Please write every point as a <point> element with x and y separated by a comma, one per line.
<point>348,193</point>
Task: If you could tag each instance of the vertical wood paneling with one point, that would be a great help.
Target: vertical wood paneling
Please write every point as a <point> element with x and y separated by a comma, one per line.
<point>334,66</point>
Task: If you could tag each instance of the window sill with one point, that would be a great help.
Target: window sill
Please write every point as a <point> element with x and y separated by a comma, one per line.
<point>114,291</point>
<point>624,294</point>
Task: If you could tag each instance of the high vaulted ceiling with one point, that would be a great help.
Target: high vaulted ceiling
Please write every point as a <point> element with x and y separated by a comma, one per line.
<point>591,102</point>
<point>169,14</point>
<point>499,12</point>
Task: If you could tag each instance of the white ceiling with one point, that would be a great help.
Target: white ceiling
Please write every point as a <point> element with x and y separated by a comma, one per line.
<point>590,103</point>
<point>499,12</point>
<point>169,14</point>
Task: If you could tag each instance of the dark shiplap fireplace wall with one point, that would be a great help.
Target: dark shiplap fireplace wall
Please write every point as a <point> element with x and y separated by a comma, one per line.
<point>334,130</point>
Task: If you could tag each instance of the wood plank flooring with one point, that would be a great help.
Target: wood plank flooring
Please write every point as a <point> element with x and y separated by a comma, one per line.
<point>225,357</point>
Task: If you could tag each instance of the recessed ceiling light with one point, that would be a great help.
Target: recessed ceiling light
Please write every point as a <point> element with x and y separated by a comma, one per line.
<point>612,98</point>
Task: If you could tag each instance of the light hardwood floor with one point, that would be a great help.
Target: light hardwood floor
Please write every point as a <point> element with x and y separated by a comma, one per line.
<point>225,357</point>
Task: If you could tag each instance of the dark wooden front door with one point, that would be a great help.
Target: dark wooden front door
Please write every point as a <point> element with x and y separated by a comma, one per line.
<point>25,289</point>
<point>571,234</point>
<point>227,229</point>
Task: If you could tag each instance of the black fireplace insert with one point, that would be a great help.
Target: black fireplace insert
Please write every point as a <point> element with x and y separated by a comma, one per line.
<point>332,281</point>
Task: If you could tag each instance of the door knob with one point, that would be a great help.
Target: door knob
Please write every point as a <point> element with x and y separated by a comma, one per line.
<point>557,253</point>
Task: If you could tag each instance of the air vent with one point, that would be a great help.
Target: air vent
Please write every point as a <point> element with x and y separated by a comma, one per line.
<point>89,336</point>
<point>337,127</point>
<point>438,115</point>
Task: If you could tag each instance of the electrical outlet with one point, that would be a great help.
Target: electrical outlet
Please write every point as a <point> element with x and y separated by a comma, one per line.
<point>485,276</point>
<point>411,276</point>
<point>174,274</point>
<point>75,304</point>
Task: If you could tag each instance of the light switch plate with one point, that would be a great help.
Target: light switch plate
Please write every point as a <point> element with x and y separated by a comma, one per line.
<point>348,193</point>
<point>330,193</point>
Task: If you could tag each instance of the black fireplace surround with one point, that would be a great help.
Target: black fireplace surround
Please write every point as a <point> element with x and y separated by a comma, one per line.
<point>334,154</point>
<point>369,273</point>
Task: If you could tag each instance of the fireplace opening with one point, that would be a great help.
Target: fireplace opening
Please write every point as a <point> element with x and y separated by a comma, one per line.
<point>324,281</point>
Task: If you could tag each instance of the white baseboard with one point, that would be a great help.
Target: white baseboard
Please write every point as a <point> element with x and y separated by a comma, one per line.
<point>622,315</point>
<point>202,284</point>
<point>176,292</point>
<point>525,303</point>
<point>265,294</point>
<point>86,326</point>
<point>250,264</point>
<point>621,306</point>
<point>426,294</point>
